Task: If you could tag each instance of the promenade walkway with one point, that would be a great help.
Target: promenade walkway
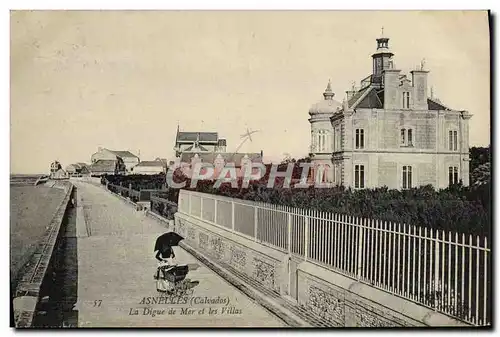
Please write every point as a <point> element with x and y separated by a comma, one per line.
<point>115,274</point>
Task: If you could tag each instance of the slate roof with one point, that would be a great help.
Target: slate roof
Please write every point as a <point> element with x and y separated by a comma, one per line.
<point>124,154</point>
<point>210,137</point>
<point>103,166</point>
<point>371,101</point>
<point>155,163</point>
<point>357,96</point>
<point>374,99</point>
<point>435,105</point>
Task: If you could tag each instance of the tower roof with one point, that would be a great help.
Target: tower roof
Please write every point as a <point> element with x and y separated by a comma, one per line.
<point>382,45</point>
<point>327,105</point>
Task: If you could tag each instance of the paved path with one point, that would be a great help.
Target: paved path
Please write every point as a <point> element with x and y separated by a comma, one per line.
<point>115,274</point>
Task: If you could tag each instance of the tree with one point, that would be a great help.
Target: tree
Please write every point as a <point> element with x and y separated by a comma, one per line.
<point>479,156</point>
<point>481,174</point>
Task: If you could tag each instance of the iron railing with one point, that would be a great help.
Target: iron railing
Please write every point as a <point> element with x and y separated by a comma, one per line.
<point>446,271</point>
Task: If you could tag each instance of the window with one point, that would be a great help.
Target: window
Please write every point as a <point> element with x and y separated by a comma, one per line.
<point>453,140</point>
<point>360,138</point>
<point>453,175</point>
<point>406,137</point>
<point>406,100</point>
<point>359,176</point>
<point>407,175</point>
<point>322,141</point>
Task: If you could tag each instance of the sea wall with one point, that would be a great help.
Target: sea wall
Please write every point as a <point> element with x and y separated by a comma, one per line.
<point>38,272</point>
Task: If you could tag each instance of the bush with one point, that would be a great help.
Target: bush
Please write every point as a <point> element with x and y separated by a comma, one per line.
<point>457,208</point>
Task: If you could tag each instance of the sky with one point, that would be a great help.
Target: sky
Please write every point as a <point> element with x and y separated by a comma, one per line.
<point>124,80</point>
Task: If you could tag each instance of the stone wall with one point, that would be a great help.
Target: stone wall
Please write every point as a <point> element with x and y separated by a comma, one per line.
<point>345,302</point>
<point>337,300</point>
<point>38,272</point>
<point>257,261</point>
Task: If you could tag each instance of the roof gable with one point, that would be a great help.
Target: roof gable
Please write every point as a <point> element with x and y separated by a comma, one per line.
<point>357,96</point>
<point>371,101</point>
<point>200,147</point>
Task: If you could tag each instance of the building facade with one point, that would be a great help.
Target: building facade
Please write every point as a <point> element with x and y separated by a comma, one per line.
<point>207,147</point>
<point>128,158</point>
<point>389,132</point>
<point>78,169</point>
<point>156,166</point>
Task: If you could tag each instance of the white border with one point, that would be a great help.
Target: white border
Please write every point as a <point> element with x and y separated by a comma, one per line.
<point>187,4</point>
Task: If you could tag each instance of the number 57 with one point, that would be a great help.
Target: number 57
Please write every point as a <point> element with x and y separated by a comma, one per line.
<point>97,303</point>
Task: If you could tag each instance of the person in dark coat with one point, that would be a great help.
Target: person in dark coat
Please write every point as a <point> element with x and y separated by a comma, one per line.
<point>164,255</point>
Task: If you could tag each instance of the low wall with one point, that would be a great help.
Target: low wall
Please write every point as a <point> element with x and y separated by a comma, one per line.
<point>38,271</point>
<point>262,264</point>
<point>337,299</point>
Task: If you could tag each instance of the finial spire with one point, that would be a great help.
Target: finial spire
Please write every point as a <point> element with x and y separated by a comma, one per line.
<point>329,86</point>
<point>432,92</point>
<point>382,35</point>
<point>328,94</point>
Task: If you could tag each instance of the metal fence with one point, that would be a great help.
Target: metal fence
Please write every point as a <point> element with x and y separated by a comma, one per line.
<point>448,272</point>
<point>142,195</point>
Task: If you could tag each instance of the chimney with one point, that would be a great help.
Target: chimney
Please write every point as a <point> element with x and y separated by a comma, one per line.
<point>99,149</point>
<point>419,81</point>
<point>391,89</point>
<point>261,154</point>
<point>352,92</point>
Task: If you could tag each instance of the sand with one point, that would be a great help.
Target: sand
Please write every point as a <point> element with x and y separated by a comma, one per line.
<point>31,210</point>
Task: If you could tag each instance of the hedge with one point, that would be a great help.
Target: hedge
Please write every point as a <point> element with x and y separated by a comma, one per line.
<point>457,208</point>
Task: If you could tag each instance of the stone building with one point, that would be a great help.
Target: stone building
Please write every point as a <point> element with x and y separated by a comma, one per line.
<point>389,132</point>
<point>207,147</point>
<point>128,158</point>
<point>156,166</point>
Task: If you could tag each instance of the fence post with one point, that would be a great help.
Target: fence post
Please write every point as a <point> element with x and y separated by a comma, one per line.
<point>232,215</point>
<point>201,207</point>
<point>360,248</point>
<point>289,232</point>
<point>436,269</point>
<point>255,221</point>
<point>215,210</point>
<point>190,202</point>
<point>130,189</point>
<point>306,236</point>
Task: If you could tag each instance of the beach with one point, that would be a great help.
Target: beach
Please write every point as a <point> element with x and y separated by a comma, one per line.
<point>31,210</point>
